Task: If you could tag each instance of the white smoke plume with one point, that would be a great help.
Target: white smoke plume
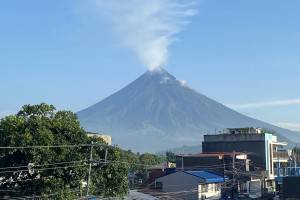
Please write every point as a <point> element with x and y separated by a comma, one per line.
<point>148,27</point>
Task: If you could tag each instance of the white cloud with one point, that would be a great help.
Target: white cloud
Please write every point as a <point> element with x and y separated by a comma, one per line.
<point>266,104</point>
<point>147,27</point>
<point>290,126</point>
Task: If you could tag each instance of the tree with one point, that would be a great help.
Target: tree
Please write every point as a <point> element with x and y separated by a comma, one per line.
<point>133,161</point>
<point>147,160</point>
<point>49,155</point>
<point>109,177</point>
<point>170,157</point>
<point>296,151</point>
<point>139,163</point>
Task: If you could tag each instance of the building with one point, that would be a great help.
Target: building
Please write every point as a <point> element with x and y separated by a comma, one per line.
<point>291,187</point>
<point>192,184</point>
<point>217,162</point>
<point>106,137</point>
<point>247,130</point>
<point>133,180</point>
<point>222,163</point>
<point>156,171</point>
<point>291,170</point>
<point>262,148</point>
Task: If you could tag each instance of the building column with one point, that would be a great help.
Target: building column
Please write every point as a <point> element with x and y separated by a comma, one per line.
<point>278,168</point>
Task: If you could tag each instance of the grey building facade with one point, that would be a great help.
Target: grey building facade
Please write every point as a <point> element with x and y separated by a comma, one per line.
<point>261,148</point>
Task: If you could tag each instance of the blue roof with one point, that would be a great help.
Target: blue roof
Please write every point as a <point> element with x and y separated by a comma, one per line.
<point>210,177</point>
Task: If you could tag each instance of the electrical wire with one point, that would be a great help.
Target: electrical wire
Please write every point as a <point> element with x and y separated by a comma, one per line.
<point>108,162</point>
<point>56,146</point>
<point>53,168</point>
<point>40,165</point>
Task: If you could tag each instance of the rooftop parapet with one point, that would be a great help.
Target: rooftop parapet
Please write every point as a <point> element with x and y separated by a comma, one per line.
<point>246,130</point>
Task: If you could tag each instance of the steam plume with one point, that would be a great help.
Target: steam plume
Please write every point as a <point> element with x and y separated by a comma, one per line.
<point>147,27</point>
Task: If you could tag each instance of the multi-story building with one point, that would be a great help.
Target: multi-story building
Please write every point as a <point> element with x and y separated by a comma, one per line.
<point>218,162</point>
<point>262,149</point>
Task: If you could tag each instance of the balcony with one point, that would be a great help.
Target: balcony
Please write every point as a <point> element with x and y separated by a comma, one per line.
<point>282,155</point>
<point>287,171</point>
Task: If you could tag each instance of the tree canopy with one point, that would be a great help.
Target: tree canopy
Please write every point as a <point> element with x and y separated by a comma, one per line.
<point>170,157</point>
<point>45,154</point>
<point>139,163</point>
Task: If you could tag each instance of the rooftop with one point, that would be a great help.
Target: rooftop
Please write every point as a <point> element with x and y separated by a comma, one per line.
<point>210,177</point>
<point>238,137</point>
<point>212,154</point>
<point>244,130</point>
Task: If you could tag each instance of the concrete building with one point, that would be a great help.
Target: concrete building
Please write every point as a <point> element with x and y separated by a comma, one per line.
<point>291,186</point>
<point>106,137</point>
<point>223,163</point>
<point>217,162</point>
<point>153,172</point>
<point>247,130</point>
<point>133,180</point>
<point>262,149</point>
<point>192,184</point>
<point>283,172</point>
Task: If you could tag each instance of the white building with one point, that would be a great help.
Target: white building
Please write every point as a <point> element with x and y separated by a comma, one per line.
<point>106,137</point>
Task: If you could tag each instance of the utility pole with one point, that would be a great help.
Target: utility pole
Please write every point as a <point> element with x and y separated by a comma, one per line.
<point>182,162</point>
<point>224,190</point>
<point>90,169</point>
<point>224,172</point>
<point>105,158</point>
<point>233,174</point>
<point>295,160</point>
<point>233,160</point>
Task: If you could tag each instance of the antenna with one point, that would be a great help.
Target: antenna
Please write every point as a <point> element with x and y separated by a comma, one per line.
<point>295,160</point>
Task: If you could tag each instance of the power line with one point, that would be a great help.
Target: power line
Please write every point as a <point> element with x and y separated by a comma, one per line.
<point>44,195</point>
<point>55,146</point>
<point>12,181</point>
<point>40,165</point>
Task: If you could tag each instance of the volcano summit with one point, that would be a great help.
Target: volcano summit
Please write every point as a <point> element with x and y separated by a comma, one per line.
<point>156,112</point>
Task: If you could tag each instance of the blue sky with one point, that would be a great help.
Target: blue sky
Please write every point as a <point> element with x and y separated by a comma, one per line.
<point>241,53</point>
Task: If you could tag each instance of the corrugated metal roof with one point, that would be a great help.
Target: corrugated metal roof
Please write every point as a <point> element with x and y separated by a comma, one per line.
<point>210,177</point>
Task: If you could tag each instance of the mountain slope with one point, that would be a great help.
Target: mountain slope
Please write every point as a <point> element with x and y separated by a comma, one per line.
<point>156,112</point>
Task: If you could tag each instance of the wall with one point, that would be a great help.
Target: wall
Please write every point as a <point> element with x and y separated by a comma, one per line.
<point>209,190</point>
<point>291,186</point>
<point>181,183</point>
<point>199,163</point>
<point>234,137</point>
<point>256,147</point>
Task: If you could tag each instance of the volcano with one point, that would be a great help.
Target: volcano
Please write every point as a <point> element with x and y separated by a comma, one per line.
<point>157,112</point>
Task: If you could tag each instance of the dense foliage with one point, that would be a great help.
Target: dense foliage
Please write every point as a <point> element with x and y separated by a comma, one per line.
<point>139,163</point>
<point>48,157</point>
<point>297,151</point>
<point>109,175</point>
<point>170,157</point>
